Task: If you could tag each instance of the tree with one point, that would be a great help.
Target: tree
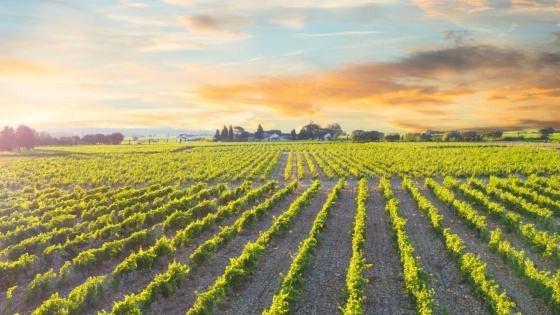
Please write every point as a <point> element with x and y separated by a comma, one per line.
<point>224,135</point>
<point>437,137</point>
<point>238,131</point>
<point>294,135</point>
<point>471,135</point>
<point>546,132</point>
<point>99,139</point>
<point>367,136</point>
<point>357,133</point>
<point>44,138</point>
<point>334,126</point>
<point>335,130</point>
<point>425,137</point>
<point>115,138</point>
<point>230,133</point>
<point>25,137</point>
<point>452,135</point>
<point>88,139</point>
<point>217,136</point>
<point>412,137</point>
<point>309,131</point>
<point>493,135</point>
<point>260,132</point>
<point>392,137</point>
<point>7,139</point>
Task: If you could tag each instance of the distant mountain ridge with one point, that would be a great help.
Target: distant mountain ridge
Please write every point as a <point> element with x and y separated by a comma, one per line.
<point>67,132</point>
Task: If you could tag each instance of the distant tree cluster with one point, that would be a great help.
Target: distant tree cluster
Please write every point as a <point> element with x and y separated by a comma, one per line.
<point>367,136</point>
<point>546,132</point>
<point>311,131</point>
<point>228,134</point>
<point>114,138</point>
<point>451,135</point>
<point>21,138</point>
<point>314,131</point>
<point>238,133</point>
<point>439,136</point>
<point>25,137</point>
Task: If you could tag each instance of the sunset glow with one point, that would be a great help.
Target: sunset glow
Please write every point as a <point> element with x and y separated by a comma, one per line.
<point>366,64</point>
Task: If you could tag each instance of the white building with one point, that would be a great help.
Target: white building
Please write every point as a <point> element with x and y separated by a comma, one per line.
<point>274,137</point>
<point>185,138</point>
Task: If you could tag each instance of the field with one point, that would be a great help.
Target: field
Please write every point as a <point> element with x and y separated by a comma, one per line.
<point>281,228</point>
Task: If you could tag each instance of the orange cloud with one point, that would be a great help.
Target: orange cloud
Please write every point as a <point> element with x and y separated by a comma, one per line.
<point>462,87</point>
<point>451,9</point>
<point>422,79</point>
<point>16,67</point>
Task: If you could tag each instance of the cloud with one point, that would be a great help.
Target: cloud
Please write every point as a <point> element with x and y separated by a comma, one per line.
<point>451,9</point>
<point>15,67</point>
<point>405,83</point>
<point>347,33</point>
<point>214,26</point>
<point>291,21</point>
<point>532,5</point>
<point>176,42</point>
<point>292,4</point>
<point>461,59</point>
<point>459,37</point>
<point>556,37</point>
<point>293,53</point>
<point>133,4</point>
<point>445,87</point>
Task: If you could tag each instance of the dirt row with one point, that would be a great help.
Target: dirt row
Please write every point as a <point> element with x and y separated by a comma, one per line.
<point>277,259</point>
<point>452,293</point>
<point>140,280</point>
<point>515,239</point>
<point>505,277</point>
<point>325,279</point>
<point>385,290</point>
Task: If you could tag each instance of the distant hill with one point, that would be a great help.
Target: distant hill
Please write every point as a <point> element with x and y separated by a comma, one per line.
<point>131,132</point>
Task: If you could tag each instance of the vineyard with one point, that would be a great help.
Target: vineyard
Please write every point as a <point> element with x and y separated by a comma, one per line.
<point>281,228</point>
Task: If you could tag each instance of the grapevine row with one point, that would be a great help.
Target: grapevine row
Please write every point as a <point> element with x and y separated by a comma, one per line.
<point>293,281</point>
<point>354,278</point>
<point>243,264</point>
<point>470,265</point>
<point>413,272</point>
<point>541,283</point>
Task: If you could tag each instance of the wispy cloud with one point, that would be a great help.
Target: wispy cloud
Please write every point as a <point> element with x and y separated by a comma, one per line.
<point>333,34</point>
<point>280,4</point>
<point>539,5</point>
<point>15,67</point>
<point>215,26</point>
<point>452,9</point>
<point>293,53</point>
<point>291,21</point>
<point>133,4</point>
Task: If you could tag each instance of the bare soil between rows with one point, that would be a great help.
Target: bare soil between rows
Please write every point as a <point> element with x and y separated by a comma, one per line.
<point>325,279</point>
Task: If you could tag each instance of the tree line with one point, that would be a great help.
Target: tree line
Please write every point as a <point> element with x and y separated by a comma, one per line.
<point>439,136</point>
<point>27,138</point>
<point>238,133</point>
<point>311,131</point>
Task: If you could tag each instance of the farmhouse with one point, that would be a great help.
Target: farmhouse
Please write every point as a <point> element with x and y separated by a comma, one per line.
<point>274,137</point>
<point>185,138</point>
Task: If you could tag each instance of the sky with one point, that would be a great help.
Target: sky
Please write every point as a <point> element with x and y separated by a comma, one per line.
<point>392,66</point>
